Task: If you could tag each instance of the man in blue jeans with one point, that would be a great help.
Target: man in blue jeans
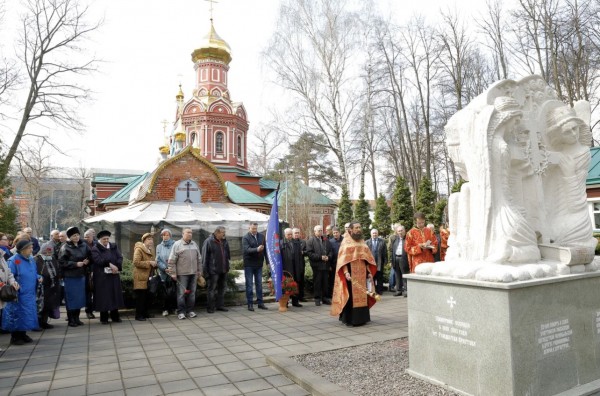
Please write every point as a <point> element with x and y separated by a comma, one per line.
<point>253,247</point>
<point>185,266</point>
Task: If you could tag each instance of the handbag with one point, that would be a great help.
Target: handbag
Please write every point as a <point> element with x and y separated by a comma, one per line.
<point>201,282</point>
<point>153,283</point>
<point>8,293</point>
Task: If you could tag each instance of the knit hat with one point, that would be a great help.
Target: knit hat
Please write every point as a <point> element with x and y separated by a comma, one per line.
<point>22,244</point>
<point>72,231</point>
<point>166,230</point>
<point>146,236</point>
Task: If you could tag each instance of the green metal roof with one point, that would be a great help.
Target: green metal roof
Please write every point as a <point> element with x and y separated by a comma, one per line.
<point>268,184</point>
<point>123,194</point>
<point>301,192</point>
<point>115,179</point>
<point>241,196</point>
<point>593,176</point>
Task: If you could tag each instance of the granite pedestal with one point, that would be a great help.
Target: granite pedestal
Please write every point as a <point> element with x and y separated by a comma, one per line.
<point>539,337</point>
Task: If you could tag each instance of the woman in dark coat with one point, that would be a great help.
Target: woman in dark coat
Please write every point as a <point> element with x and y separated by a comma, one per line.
<point>107,263</point>
<point>73,258</point>
<point>47,267</point>
<point>20,316</point>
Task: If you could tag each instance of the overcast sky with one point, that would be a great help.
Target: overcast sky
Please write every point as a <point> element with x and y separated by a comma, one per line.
<point>146,47</point>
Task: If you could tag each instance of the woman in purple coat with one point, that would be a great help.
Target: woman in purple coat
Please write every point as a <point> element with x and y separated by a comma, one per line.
<point>20,316</point>
<point>107,262</point>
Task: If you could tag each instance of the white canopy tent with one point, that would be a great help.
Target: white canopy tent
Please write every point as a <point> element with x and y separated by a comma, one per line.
<point>129,223</point>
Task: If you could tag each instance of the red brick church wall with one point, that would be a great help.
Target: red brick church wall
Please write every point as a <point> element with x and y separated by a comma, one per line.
<point>184,168</point>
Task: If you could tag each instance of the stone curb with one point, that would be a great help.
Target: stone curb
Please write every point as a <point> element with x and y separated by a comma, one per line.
<point>314,383</point>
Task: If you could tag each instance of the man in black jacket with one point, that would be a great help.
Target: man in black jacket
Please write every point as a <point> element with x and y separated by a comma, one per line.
<point>293,261</point>
<point>215,266</point>
<point>319,252</point>
<point>399,259</point>
<point>300,252</point>
<point>379,249</point>
<point>253,247</point>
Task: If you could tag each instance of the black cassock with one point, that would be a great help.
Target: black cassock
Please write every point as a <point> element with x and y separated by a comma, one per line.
<point>108,294</point>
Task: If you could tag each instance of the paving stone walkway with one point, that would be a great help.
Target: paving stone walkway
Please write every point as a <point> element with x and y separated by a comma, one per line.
<point>214,354</point>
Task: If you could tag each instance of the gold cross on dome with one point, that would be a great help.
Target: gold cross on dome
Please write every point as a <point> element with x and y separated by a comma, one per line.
<point>211,7</point>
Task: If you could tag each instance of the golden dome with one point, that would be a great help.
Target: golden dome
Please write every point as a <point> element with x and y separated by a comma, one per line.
<point>179,95</point>
<point>164,149</point>
<point>180,137</point>
<point>213,47</point>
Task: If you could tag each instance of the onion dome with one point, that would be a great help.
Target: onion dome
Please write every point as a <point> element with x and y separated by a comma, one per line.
<point>213,47</point>
<point>179,95</point>
<point>180,137</point>
<point>164,149</point>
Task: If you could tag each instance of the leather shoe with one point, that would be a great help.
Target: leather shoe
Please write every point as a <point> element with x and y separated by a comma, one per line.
<point>250,307</point>
<point>104,322</point>
<point>397,294</point>
<point>222,309</point>
<point>317,303</point>
<point>296,304</point>
<point>140,318</point>
<point>26,338</point>
<point>90,315</point>
<point>326,301</point>
<point>210,310</point>
<point>262,306</point>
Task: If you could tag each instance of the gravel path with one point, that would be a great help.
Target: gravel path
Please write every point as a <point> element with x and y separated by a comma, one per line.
<point>368,370</point>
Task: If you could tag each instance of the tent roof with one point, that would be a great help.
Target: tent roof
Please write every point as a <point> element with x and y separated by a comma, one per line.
<point>180,213</point>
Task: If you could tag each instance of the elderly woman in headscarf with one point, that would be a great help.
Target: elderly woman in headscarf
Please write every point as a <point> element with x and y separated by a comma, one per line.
<point>106,264</point>
<point>74,258</point>
<point>20,316</point>
<point>163,250</point>
<point>144,265</point>
<point>47,267</point>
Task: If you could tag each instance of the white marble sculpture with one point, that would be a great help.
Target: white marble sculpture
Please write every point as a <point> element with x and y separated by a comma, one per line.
<point>523,212</point>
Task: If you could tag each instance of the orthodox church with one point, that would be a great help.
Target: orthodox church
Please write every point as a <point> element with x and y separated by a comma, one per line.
<point>203,178</point>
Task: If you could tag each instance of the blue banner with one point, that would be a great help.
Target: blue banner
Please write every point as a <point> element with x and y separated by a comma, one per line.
<point>273,248</point>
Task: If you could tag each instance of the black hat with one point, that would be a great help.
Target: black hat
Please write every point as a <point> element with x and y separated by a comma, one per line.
<point>72,231</point>
<point>22,244</point>
<point>103,233</point>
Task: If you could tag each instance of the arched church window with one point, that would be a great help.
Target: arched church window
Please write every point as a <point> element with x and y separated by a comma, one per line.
<point>239,146</point>
<point>219,143</point>
<point>192,139</point>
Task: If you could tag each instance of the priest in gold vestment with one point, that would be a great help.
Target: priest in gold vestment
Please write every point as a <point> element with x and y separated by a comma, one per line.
<point>354,274</point>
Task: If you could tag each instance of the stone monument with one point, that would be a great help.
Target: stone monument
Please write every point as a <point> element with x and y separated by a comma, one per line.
<point>515,308</point>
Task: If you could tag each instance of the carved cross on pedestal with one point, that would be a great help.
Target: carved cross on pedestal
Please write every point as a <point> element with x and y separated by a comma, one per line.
<point>187,186</point>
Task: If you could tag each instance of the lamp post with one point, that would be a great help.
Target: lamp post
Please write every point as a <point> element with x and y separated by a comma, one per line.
<point>287,172</point>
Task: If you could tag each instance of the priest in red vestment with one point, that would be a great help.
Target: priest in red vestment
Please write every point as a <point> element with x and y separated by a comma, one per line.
<point>354,270</point>
<point>421,243</point>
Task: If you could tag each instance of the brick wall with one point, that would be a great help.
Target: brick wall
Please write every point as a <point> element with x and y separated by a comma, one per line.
<point>184,168</point>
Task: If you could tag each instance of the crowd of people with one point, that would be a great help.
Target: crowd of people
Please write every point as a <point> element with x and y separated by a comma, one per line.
<point>84,272</point>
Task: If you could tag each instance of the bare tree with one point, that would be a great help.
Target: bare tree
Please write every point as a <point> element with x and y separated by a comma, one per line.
<point>494,27</point>
<point>310,53</point>
<point>51,40</point>
<point>83,177</point>
<point>261,156</point>
<point>33,167</point>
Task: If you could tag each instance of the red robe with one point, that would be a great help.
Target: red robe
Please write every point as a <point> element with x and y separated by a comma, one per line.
<point>444,234</point>
<point>416,255</point>
<point>351,252</point>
